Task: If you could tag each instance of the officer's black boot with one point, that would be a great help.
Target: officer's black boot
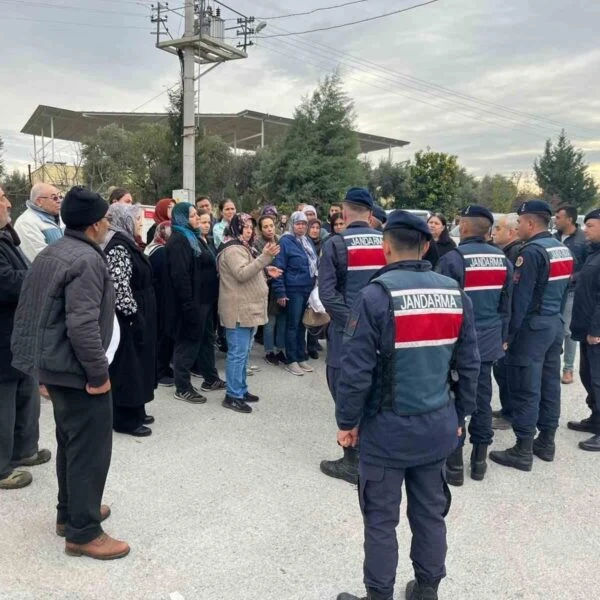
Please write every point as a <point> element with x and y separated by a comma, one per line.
<point>345,468</point>
<point>478,461</point>
<point>455,474</point>
<point>371,595</point>
<point>421,591</point>
<point>544,447</point>
<point>520,456</point>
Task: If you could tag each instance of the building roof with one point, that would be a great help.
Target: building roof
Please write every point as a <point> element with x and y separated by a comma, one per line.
<point>242,130</point>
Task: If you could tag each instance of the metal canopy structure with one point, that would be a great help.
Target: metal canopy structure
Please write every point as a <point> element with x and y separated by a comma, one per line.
<point>246,130</point>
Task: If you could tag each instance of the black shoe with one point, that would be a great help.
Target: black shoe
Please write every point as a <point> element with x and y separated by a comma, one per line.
<point>236,404</point>
<point>455,473</point>
<point>141,431</point>
<point>371,595</point>
<point>520,456</point>
<point>193,396</point>
<point>420,591</point>
<point>148,420</point>
<point>497,413</point>
<point>345,468</point>
<point>215,386</point>
<point>248,397</point>
<point>281,357</point>
<point>544,447</point>
<point>591,445</point>
<point>314,355</point>
<point>584,425</point>
<point>166,382</point>
<point>478,462</point>
<point>319,348</point>
<point>271,359</point>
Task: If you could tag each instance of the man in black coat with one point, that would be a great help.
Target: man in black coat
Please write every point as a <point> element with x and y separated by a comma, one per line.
<point>19,397</point>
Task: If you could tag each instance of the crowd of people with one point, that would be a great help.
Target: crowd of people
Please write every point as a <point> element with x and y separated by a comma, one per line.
<point>96,316</point>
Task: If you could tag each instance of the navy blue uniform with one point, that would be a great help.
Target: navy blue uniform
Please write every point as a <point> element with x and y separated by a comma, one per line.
<point>542,273</point>
<point>400,441</point>
<point>485,274</point>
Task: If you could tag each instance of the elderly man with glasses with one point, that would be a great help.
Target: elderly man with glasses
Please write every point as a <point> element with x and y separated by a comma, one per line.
<point>39,226</point>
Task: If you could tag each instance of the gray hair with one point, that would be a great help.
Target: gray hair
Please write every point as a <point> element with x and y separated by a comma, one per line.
<point>512,220</point>
<point>36,191</point>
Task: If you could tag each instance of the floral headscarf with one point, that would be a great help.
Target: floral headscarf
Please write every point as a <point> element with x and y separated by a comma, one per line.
<point>233,232</point>
<point>161,237</point>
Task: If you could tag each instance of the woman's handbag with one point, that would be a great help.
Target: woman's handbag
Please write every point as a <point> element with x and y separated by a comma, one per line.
<point>312,318</point>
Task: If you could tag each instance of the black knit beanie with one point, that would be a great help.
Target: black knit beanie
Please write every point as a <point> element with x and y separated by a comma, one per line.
<point>82,208</point>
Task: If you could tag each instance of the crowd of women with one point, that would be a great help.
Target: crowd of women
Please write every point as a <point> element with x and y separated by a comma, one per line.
<point>200,283</point>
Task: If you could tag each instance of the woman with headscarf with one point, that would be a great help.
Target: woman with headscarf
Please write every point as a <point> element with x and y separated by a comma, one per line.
<point>155,251</point>
<point>313,232</point>
<point>243,294</point>
<point>133,370</point>
<point>191,289</point>
<point>162,213</point>
<point>298,261</point>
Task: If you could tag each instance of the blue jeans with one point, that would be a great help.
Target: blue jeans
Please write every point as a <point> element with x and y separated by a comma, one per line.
<point>295,332</point>
<point>274,333</point>
<point>570,345</point>
<point>239,342</point>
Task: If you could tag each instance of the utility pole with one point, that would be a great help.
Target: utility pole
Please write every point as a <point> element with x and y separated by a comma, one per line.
<point>189,126</point>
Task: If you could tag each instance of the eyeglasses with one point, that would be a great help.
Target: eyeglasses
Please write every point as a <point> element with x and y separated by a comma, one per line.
<point>55,197</point>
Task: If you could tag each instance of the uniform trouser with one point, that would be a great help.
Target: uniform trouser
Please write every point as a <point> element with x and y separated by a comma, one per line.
<point>428,502</point>
<point>84,448</point>
<point>501,380</point>
<point>333,376</point>
<point>589,370</point>
<point>533,372</point>
<point>480,427</point>
<point>19,421</point>
<point>570,345</point>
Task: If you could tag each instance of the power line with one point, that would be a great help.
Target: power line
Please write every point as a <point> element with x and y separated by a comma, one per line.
<point>395,12</point>
<point>177,84</point>
<point>50,21</point>
<point>71,7</point>
<point>310,12</point>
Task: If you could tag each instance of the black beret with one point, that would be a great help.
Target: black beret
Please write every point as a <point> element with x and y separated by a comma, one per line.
<point>360,196</point>
<point>594,214</point>
<point>402,219</point>
<point>81,207</point>
<point>535,207</point>
<point>476,210</point>
<point>379,213</point>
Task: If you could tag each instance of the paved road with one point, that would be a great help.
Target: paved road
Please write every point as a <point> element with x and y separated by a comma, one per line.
<point>223,506</point>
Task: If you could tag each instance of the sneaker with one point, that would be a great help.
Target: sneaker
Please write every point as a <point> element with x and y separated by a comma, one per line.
<point>196,375</point>
<point>248,397</point>
<point>166,382</point>
<point>254,368</point>
<point>16,480</point>
<point>294,369</point>
<point>215,386</point>
<point>305,367</point>
<point>236,404</point>
<point>39,458</point>
<point>192,396</point>
<point>249,373</point>
<point>271,359</point>
<point>281,357</point>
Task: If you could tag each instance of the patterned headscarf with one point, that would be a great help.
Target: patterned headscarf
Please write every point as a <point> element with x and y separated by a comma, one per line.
<point>122,218</point>
<point>180,221</point>
<point>161,237</point>
<point>309,249</point>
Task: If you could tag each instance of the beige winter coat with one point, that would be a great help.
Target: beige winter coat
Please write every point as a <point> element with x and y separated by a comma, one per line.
<point>243,291</point>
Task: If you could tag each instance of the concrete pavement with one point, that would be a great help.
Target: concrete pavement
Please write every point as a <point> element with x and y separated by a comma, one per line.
<point>222,506</point>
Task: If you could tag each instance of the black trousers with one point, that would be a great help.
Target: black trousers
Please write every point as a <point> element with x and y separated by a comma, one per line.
<point>19,421</point>
<point>428,503</point>
<point>84,448</point>
<point>589,371</point>
<point>128,418</point>
<point>196,355</point>
<point>164,355</point>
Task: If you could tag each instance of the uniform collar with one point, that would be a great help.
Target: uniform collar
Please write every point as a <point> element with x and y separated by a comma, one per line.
<point>358,224</point>
<point>476,239</point>
<point>405,265</point>
<point>540,235</point>
<point>511,245</point>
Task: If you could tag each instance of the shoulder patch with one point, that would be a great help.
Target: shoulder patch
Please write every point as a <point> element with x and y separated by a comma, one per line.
<point>519,262</point>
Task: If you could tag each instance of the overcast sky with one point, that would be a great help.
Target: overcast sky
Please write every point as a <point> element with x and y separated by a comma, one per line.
<point>539,57</point>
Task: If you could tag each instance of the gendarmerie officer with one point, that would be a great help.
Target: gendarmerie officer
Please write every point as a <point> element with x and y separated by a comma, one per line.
<point>347,263</point>
<point>542,273</point>
<point>485,274</point>
<point>585,328</point>
<point>407,329</point>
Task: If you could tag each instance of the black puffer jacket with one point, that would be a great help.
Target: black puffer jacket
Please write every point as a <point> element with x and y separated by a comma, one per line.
<point>13,268</point>
<point>586,305</point>
<point>65,317</point>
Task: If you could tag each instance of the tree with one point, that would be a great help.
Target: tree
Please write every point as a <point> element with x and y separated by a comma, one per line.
<point>468,188</point>
<point>391,181</point>
<point>498,193</point>
<point>16,187</point>
<point>318,158</point>
<point>563,175</point>
<point>435,182</point>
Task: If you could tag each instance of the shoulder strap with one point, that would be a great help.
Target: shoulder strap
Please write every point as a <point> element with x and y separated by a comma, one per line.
<point>540,287</point>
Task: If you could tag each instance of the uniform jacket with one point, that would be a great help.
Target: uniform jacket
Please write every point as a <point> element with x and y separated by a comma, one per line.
<point>388,439</point>
<point>512,250</point>
<point>586,305</point>
<point>489,339</point>
<point>13,268</point>
<point>64,320</point>
<point>579,248</point>
<point>37,229</point>
<point>292,260</point>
